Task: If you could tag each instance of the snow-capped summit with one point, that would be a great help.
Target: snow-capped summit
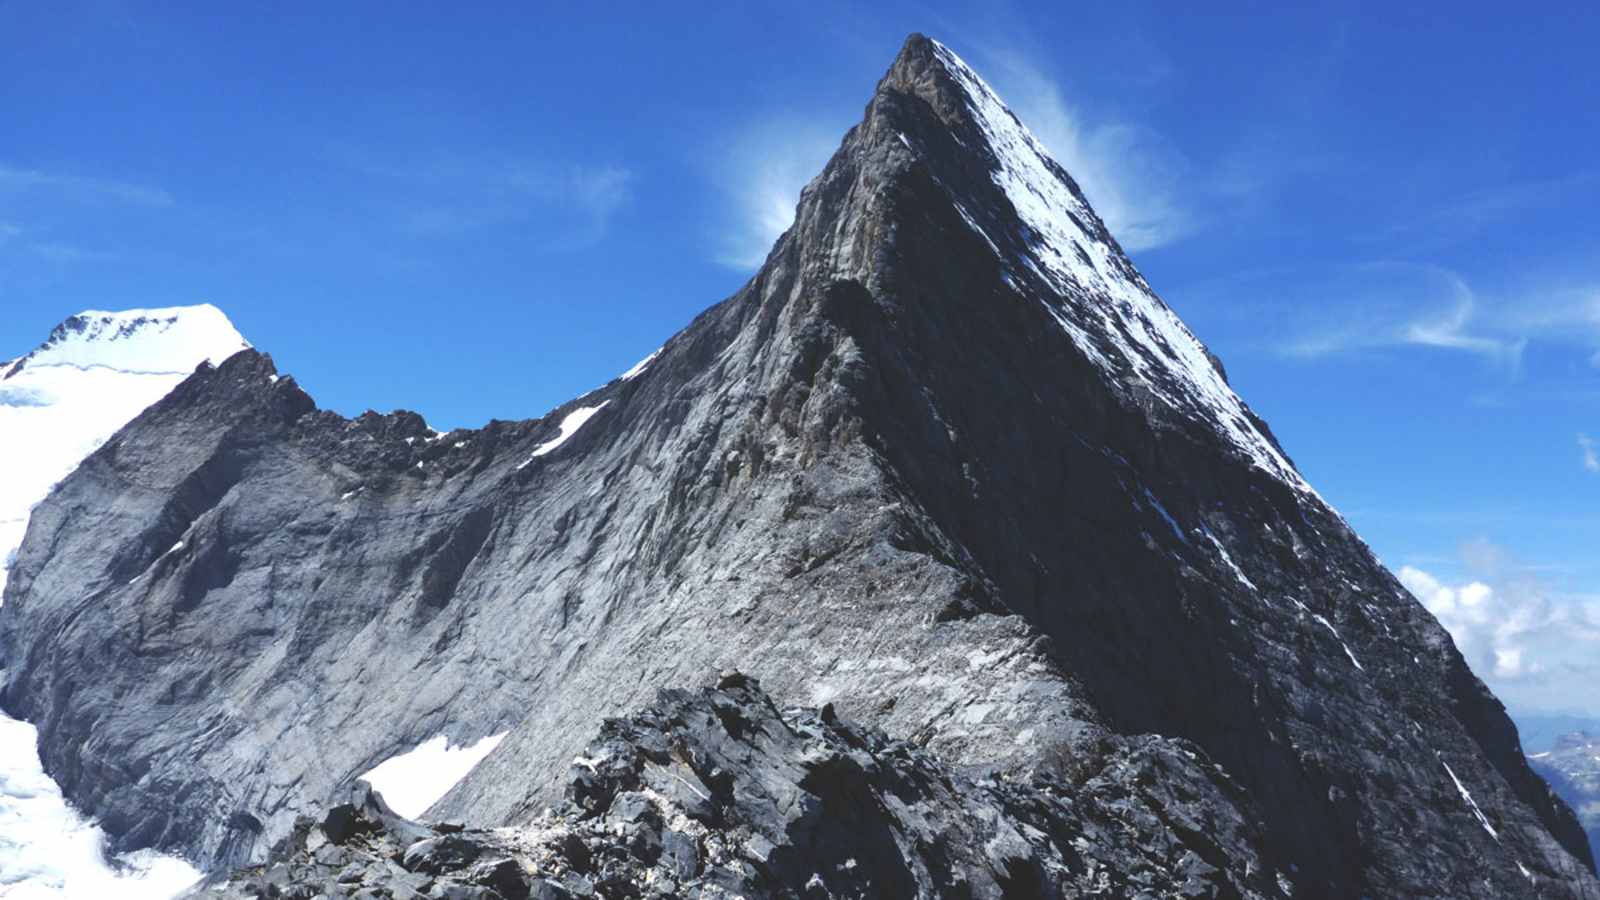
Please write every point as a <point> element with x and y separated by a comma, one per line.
<point>165,341</point>
<point>95,372</point>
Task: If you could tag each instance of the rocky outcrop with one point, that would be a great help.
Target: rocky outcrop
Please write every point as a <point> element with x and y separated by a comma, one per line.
<point>715,793</point>
<point>946,463</point>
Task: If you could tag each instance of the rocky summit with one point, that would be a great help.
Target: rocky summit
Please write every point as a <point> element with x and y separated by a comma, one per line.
<point>946,472</point>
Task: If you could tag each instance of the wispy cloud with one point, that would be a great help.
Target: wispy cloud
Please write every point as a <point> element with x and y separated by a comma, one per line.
<point>1454,329</point>
<point>761,179</point>
<point>1130,173</point>
<point>65,253</point>
<point>16,240</point>
<point>451,195</point>
<point>1591,454</point>
<point>1465,215</point>
<point>1396,304</point>
<point>81,187</point>
<point>1536,647</point>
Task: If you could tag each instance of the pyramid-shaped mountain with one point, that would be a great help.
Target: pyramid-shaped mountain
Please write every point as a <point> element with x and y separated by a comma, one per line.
<point>945,466</point>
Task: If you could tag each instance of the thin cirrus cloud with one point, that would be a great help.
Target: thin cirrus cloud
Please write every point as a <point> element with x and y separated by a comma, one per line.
<point>1536,647</point>
<point>452,195</point>
<point>762,176</point>
<point>14,179</point>
<point>1392,304</point>
<point>1591,453</point>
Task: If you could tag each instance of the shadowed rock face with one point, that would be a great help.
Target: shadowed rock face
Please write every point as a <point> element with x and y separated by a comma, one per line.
<point>945,463</point>
<point>1572,767</point>
<point>715,793</point>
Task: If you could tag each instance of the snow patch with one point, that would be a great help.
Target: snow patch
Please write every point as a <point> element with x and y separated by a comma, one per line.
<point>1329,625</point>
<point>1467,796</point>
<point>569,426</point>
<point>1237,572</point>
<point>1173,523</point>
<point>641,365</point>
<point>413,781</point>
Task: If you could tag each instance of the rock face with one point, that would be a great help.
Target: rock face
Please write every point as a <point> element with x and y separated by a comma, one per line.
<point>715,793</point>
<point>1573,769</point>
<point>945,463</point>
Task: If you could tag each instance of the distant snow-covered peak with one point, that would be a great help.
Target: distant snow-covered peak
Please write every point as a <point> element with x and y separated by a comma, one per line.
<point>150,341</point>
<point>96,372</point>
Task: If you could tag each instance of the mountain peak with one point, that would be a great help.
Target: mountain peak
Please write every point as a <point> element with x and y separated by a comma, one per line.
<point>169,340</point>
<point>946,465</point>
<point>1052,247</point>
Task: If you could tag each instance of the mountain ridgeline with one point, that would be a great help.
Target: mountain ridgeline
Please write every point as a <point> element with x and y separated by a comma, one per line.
<point>946,467</point>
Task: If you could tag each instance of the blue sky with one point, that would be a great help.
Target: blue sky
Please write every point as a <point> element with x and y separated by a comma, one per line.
<point>1382,220</point>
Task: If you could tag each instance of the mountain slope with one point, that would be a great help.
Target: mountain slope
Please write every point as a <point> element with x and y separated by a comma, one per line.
<point>96,371</point>
<point>946,463</point>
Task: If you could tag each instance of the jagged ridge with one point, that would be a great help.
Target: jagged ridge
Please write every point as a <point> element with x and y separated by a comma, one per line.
<point>715,793</point>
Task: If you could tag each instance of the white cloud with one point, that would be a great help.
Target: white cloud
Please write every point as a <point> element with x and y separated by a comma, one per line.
<point>1130,174</point>
<point>1454,330</point>
<point>82,187</point>
<point>1591,457</point>
<point>1400,304</point>
<point>1537,649</point>
<point>770,163</point>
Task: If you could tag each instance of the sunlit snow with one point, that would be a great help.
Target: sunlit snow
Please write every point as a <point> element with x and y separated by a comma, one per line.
<point>414,781</point>
<point>640,366</point>
<point>569,426</point>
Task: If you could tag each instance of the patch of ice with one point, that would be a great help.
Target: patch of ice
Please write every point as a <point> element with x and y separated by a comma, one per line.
<point>1329,625</point>
<point>1237,572</point>
<point>1467,796</point>
<point>1171,522</point>
<point>569,426</point>
<point>415,780</point>
<point>641,365</point>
